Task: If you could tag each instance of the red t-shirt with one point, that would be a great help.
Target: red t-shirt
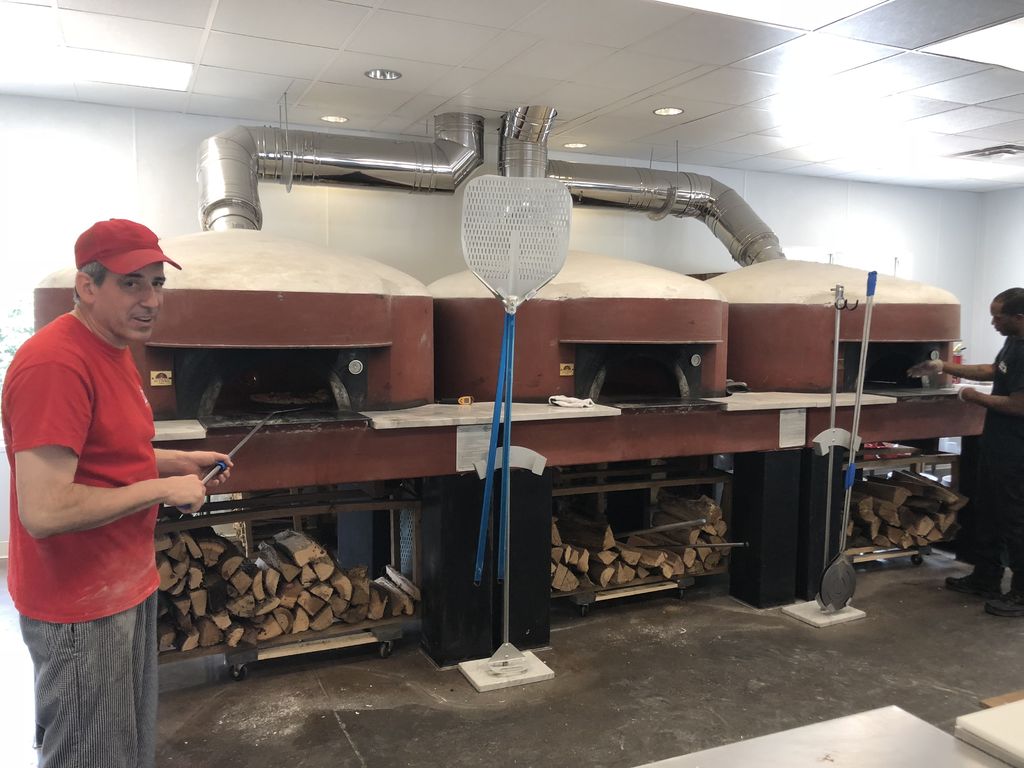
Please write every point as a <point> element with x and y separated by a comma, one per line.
<point>68,387</point>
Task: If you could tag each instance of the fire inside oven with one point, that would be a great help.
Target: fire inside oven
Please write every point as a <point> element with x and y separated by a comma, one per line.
<point>638,372</point>
<point>886,365</point>
<point>233,384</point>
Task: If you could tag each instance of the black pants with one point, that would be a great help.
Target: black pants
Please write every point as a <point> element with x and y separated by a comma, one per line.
<point>999,520</point>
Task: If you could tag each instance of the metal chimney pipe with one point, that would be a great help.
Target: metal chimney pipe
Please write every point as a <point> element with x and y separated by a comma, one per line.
<point>231,162</point>
<point>523,147</point>
<point>661,193</point>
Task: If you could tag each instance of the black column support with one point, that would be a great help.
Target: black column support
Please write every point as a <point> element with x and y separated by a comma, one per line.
<point>461,621</point>
<point>766,494</point>
<point>810,557</point>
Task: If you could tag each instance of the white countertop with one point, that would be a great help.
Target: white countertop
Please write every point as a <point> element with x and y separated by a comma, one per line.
<point>769,401</point>
<point>438,415</point>
<point>179,429</point>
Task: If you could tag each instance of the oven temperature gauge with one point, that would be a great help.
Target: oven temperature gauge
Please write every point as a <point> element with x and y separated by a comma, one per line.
<point>695,360</point>
<point>355,367</point>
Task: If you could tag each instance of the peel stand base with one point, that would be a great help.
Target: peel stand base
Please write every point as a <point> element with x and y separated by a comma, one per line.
<point>812,613</point>
<point>507,668</point>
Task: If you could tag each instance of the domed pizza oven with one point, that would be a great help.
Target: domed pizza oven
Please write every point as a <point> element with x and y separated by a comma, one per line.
<point>781,326</point>
<point>609,329</point>
<point>255,323</point>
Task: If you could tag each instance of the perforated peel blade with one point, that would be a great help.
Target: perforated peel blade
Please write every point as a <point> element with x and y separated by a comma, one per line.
<point>515,234</point>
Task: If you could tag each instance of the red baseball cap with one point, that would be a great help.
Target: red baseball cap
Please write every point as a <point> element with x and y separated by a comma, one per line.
<point>120,245</point>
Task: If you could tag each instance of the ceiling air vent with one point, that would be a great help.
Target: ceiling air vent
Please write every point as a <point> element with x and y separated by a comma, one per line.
<point>1001,152</point>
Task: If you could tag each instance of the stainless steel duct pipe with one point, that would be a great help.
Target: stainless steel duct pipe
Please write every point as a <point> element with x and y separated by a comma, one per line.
<point>662,193</point>
<point>523,149</point>
<point>231,162</point>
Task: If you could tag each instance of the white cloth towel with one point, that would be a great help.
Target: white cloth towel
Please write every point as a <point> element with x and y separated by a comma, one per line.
<point>570,402</point>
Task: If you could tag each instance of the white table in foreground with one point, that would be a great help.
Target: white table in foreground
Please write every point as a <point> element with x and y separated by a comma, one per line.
<point>880,738</point>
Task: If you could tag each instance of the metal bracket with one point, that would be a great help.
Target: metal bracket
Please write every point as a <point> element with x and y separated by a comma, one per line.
<point>837,436</point>
<point>519,458</point>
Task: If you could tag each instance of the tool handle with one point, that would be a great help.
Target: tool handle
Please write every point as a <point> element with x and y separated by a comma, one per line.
<point>872,280</point>
<point>218,467</point>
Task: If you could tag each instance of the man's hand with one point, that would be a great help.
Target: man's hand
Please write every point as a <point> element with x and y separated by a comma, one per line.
<point>186,492</point>
<point>927,368</point>
<point>968,394</point>
<point>198,463</point>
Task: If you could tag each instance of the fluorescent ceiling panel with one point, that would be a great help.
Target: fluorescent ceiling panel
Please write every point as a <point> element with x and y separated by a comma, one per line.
<point>120,68</point>
<point>801,14</point>
<point>1000,45</point>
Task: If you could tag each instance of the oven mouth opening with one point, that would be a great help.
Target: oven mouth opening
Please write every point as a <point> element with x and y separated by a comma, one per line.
<point>234,387</point>
<point>617,374</point>
<point>886,366</point>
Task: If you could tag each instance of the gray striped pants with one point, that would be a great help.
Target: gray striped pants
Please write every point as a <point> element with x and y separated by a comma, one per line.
<point>96,689</point>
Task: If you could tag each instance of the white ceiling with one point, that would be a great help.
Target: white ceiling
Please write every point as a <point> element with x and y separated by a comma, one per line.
<point>851,100</point>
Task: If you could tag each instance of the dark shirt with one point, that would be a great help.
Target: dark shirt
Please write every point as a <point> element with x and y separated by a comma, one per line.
<point>1003,436</point>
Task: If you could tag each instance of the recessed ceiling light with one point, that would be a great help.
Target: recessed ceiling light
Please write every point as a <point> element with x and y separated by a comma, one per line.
<point>995,45</point>
<point>574,145</point>
<point>334,119</point>
<point>382,74</point>
<point>668,111</point>
<point>801,14</point>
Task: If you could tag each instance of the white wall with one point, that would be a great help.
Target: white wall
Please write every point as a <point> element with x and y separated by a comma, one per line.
<point>1001,267</point>
<point>68,165</point>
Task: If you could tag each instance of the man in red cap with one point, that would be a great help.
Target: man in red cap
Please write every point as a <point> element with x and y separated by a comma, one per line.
<point>85,486</point>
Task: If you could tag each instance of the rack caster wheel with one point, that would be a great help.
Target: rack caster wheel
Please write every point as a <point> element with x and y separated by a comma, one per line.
<point>916,559</point>
<point>385,649</point>
<point>239,672</point>
<point>583,609</point>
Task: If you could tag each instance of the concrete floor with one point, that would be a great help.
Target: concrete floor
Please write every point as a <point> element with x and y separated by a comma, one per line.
<point>635,681</point>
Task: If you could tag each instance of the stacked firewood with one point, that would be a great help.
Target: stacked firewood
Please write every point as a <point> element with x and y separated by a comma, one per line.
<point>210,593</point>
<point>699,543</point>
<point>904,510</point>
<point>586,553</point>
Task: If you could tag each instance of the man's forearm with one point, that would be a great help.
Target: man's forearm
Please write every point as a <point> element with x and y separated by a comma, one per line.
<point>980,372</point>
<point>1012,405</point>
<point>77,507</point>
<point>170,463</point>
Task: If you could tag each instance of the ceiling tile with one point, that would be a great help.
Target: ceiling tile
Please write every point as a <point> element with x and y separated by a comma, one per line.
<point>100,32</point>
<point>946,144</point>
<point>756,144</point>
<point>398,124</point>
<point>11,87</point>
<point>557,59</point>
<point>907,107</point>
<point>709,157</point>
<point>903,72</point>
<point>233,83</point>
<point>189,13</point>
<point>613,23</point>
<point>310,22</point>
<point>404,36</point>
<point>419,107</point>
<point>727,86</point>
<point>810,153</point>
<point>1009,103</point>
<point>132,96</point>
<point>354,102</point>
<point>963,119</point>
<point>972,89</point>
<point>915,23</point>
<point>718,128</point>
<point>572,99</point>
<point>613,127</point>
<point>1006,132</point>
<point>501,49</point>
<point>487,13</point>
<point>814,55</point>
<point>636,71</point>
<point>766,164</point>
<point>270,57</point>
<point>712,39</point>
<point>350,69</point>
<point>456,80</point>
<point>509,87</point>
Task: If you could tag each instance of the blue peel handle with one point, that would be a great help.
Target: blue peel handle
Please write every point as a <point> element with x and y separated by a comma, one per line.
<point>851,472</point>
<point>872,279</point>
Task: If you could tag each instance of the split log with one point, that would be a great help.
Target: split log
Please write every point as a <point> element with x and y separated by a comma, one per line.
<point>323,567</point>
<point>894,494</point>
<point>177,551</point>
<point>222,619</point>
<point>556,537</point>
<point>283,617</point>
<point>400,602</point>
<point>194,550</point>
<point>301,621</point>
<point>584,532</point>
<point>289,593</point>
<point>360,585</point>
<point>187,640</point>
<point>307,577</point>
<point>630,555</point>
<point>209,632</point>
<point>299,548</point>
<point>341,584</point>
<point>338,605</point>
<point>310,603</point>
<point>165,635</point>
<point>322,620</point>
<point>354,614</point>
<point>599,573</point>
<point>268,629</point>
<point>565,580</point>
<point>233,634</point>
<point>244,606</point>
<point>267,606</point>
<point>197,599</point>
<point>402,583</point>
<point>165,571</point>
<point>162,542</point>
<point>378,602</point>
<point>273,559</point>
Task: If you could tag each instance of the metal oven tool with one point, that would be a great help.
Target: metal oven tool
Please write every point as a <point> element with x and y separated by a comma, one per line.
<point>515,237</point>
<point>839,581</point>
